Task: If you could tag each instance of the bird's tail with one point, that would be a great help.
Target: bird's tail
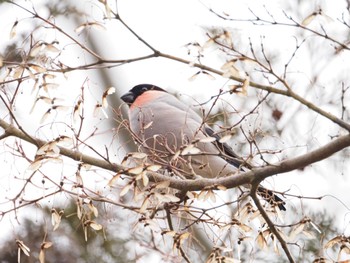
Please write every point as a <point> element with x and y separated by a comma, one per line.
<point>271,198</point>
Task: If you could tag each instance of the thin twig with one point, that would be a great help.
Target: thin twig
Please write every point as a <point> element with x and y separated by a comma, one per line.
<point>268,221</point>
<point>242,178</point>
<point>170,223</point>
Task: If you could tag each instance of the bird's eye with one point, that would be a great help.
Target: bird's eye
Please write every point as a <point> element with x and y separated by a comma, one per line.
<point>144,89</point>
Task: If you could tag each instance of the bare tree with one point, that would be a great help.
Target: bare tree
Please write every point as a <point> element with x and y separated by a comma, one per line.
<point>283,107</point>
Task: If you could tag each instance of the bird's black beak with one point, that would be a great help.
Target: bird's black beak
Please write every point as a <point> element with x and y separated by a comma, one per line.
<point>128,98</point>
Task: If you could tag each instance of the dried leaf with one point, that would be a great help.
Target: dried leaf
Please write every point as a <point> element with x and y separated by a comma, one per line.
<point>78,179</point>
<point>202,195</point>
<point>51,48</point>
<point>42,256</point>
<point>18,72</point>
<point>245,86</point>
<point>221,187</point>
<point>325,260</point>
<point>153,168</point>
<point>261,241</point>
<point>35,50</point>
<point>333,241</point>
<point>79,212</point>
<point>208,140</point>
<point>109,91</point>
<point>169,233</point>
<point>108,11</point>
<point>315,227</point>
<point>38,69</point>
<point>48,76</point>
<point>148,125</point>
<point>191,195</point>
<point>30,73</point>
<point>44,245</point>
<point>115,178</point>
<point>95,226</point>
<point>46,86</point>
<point>209,43</point>
<point>65,141</point>
<point>297,230</point>
<point>164,184</point>
<point>34,104</point>
<point>201,72</point>
<point>193,77</point>
<point>125,189</point>
<point>45,116</point>
<point>166,197</point>
<point>245,227</point>
<point>56,218</point>
<point>86,25</point>
<point>279,214</point>
<point>230,70</point>
<point>183,237</point>
<point>13,31</point>
<point>49,149</point>
<point>227,37</point>
<point>212,196</point>
<point>206,194</point>
<point>77,110</point>
<point>275,246</point>
<point>45,99</point>
<point>85,233</point>
<point>138,155</point>
<point>98,109</point>
<point>266,233</point>
<point>136,170</point>
<point>225,138</point>
<point>23,247</point>
<point>60,107</point>
<point>307,20</point>
<point>145,179</point>
<point>228,65</point>
<point>211,77</point>
<point>308,234</point>
<point>87,200</point>
<point>34,166</point>
<point>93,209</point>
<point>176,155</point>
<point>190,149</point>
<point>144,205</point>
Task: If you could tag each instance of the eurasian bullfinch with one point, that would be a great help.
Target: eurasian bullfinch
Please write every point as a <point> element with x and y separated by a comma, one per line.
<point>176,137</point>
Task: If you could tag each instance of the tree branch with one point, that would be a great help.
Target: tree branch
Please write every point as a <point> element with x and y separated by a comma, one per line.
<point>268,221</point>
<point>250,177</point>
<point>287,93</point>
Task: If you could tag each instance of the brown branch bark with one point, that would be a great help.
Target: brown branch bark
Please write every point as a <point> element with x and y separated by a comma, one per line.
<point>255,176</point>
<point>269,222</point>
<point>287,93</point>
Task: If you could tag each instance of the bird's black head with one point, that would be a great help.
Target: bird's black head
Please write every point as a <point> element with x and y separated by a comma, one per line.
<point>138,90</point>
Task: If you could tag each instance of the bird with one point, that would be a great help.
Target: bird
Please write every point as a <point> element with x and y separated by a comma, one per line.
<point>175,136</point>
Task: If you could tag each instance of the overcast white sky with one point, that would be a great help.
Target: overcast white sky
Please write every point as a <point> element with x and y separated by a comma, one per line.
<point>169,26</point>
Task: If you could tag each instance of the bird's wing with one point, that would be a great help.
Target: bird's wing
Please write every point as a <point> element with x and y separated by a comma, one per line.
<point>231,157</point>
<point>227,152</point>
